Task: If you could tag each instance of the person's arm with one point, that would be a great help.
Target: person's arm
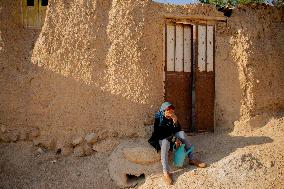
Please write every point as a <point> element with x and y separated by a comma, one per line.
<point>154,140</point>
<point>176,123</point>
<point>156,125</point>
<point>177,127</point>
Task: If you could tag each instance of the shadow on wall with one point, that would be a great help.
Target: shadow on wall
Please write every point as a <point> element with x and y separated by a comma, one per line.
<point>62,106</point>
<point>16,46</point>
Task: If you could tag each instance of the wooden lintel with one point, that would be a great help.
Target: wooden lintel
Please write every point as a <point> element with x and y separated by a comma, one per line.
<point>196,17</point>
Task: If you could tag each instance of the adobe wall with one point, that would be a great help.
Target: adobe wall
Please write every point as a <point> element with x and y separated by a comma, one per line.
<point>97,66</point>
<point>249,64</point>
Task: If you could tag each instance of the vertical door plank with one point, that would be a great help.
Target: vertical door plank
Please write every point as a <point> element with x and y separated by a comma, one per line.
<point>204,85</point>
<point>187,48</point>
<point>170,47</point>
<point>42,13</point>
<point>178,92</point>
<point>179,48</point>
<point>24,13</point>
<point>210,57</point>
<point>32,15</point>
<point>201,47</point>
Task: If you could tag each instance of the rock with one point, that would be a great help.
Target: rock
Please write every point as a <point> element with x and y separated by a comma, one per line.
<point>39,151</point>
<point>91,138</point>
<point>122,171</point>
<point>14,136</point>
<point>49,143</point>
<point>36,142</point>
<point>106,146</point>
<point>77,141</point>
<point>66,150</point>
<point>45,142</point>
<point>78,151</point>
<point>5,138</point>
<point>143,155</point>
<point>23,135</point>
<point>3,128</point>
<point>34,132</point>
<point>87,149</point>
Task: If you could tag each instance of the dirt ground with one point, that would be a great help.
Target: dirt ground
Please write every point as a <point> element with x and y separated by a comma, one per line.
<point>243,158</point>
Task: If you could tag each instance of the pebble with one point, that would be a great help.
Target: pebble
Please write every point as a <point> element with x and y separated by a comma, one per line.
<point>78,151</point>
<point>77,141</point>
<point>39,151</point>
<point>91,138</point>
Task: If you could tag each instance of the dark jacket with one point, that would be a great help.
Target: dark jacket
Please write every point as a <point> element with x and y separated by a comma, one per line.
<point>165,130</point>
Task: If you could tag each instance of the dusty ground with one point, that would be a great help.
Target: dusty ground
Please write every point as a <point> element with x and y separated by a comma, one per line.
<point>239,159</point>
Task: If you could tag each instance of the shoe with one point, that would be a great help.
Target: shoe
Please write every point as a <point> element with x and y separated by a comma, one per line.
<point>197,163</point>
<point>168,179</point>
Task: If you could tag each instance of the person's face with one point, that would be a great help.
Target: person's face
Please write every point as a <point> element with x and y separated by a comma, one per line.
<point>168,113</point>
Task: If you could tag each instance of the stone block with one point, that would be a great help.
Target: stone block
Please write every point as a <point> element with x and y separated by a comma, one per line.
<point>34,132</point>
<point>121,169</point>
<point>78,151</point>
<point>91,138</point>
<point>144,155</point>
<point>77,141</point>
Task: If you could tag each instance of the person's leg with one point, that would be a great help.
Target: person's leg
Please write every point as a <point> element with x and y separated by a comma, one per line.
<point>182,136</point>
<point>165,147</point>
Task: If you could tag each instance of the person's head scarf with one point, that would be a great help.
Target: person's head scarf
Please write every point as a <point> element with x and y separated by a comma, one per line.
<point>160,114</point>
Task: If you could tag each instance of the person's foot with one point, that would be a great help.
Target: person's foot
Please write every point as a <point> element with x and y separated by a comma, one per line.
<point>197,163</point>
<point>168,178</point>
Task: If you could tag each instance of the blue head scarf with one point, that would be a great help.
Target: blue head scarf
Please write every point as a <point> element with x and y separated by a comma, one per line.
<point>160,113</point>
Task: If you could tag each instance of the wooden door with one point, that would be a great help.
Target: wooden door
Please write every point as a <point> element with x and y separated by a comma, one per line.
<point>204,79</point>
<point>42,11</point>
<point>34,12</point>
<point>178,75</point>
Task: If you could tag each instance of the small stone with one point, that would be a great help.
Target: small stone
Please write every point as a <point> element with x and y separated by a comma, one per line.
<point>50,143</point>
<point>53,161</point>
<point>14,136</point>
<point>36,142</point>
<point>144,155</point>
<point>77,141</point>
<point>78,151</point>
<point>3,128</point>
<point>23,135</point>
<point>106,146</point>
<point>39,151</point>
<point>91,138</point>
<point>5,138</point>
<point>34,132</point>
<point>45,142</point>
<point>87,150</point>
<point>66,150</point>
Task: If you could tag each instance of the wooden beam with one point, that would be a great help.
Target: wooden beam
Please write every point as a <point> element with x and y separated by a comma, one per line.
<point>197,17</point>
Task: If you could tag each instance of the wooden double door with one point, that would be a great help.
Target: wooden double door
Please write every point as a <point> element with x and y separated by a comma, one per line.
<point>189,74</point>
<point>33,13</point>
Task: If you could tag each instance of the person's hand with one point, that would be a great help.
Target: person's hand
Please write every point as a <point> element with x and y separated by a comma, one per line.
<point>178,143</point>
<point>174,117</point>
<point>170,114</point>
